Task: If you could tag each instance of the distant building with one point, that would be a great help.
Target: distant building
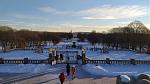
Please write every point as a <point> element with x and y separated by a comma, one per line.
<point>75,37</point>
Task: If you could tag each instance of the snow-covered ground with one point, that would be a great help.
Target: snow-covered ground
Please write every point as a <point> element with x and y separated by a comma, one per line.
<point>63,44</point>
<point>24,68</point>
<point>20,54</point>
<point>114,70</point>
<point>110,70</point>
<point>117,55</point>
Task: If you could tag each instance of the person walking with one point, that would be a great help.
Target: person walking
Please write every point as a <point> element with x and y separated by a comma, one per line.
<point>73,70</point>
<point>62,77</point>
<point>68,69</point>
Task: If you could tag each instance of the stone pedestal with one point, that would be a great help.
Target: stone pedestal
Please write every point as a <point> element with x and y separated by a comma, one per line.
<point>132,61</point>
<point>1,61</point>
<point>108,60</point>
<point>25,60</point>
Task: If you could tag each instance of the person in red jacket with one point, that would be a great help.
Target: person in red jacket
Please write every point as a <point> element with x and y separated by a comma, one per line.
<point>62,77</point>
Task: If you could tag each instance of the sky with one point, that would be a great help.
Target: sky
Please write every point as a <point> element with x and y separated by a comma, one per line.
<point>75,15</point>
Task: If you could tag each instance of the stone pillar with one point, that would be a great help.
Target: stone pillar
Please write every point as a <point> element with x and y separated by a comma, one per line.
<point>25,60</point>
<point>50,59</point>
<point>108,60</point>
<point>83,57</point>
<point>1,61</point>
<point>132,61</point>
<point>54,52</point>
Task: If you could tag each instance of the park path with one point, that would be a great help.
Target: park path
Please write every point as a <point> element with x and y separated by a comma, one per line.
<point>82,77</point>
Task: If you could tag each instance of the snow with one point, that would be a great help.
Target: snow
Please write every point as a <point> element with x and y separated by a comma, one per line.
<point>21,54</point>
<point>114,70</point>
<point>70,43</point>
<point>63,44</point>
<point>117,55</point>
<point>24,68</point>
<point>105,69</point>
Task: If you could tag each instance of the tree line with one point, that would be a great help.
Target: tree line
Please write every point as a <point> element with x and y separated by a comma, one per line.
<point>134,36</point>
<point>10,38</point>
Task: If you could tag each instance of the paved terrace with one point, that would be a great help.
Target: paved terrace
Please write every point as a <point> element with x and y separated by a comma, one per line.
<point>52,78</point>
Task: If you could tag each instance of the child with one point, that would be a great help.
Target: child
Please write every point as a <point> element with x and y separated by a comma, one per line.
<point>73,69</point>
<point>62,77</point>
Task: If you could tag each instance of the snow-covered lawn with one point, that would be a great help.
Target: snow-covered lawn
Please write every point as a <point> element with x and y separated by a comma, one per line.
<point>117,55</point>
<point>109,70</point>
<point>114,70</point>
<point>20,54</point>
<point>24,68</point>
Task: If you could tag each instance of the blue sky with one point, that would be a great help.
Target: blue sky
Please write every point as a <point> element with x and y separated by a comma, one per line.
<point>76,15</point>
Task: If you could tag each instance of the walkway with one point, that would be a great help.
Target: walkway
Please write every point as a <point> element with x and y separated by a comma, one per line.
<point>82,78</point>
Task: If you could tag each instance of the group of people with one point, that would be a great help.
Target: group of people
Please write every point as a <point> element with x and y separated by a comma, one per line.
<point>62,76</point>
<point>59,58</point>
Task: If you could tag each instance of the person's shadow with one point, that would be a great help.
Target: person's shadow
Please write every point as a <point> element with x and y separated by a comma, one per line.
<point>47,81</point>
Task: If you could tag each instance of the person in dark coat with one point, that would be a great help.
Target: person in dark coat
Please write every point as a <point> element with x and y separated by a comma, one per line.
<point>62,77</point>
<point>57,58</point>
<point>61,57</point>
<point>68,69</point>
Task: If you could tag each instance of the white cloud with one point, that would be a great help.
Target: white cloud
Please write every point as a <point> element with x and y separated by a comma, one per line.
<point>86,28</point>
<point>47,9</point>
<point>29,17</point>
<point>11,21</point>
<point>125,23</point>
<point>66,27</point>
<point>114,12</point>
<point>103,12</point>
